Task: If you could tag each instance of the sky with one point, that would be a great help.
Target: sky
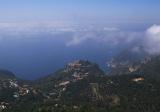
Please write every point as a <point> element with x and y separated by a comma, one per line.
<point>79,10</point>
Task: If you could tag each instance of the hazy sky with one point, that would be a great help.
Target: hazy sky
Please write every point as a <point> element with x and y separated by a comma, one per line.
<point>84,10</point>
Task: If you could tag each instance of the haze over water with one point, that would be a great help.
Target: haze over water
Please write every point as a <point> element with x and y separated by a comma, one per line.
<point>39,37</point>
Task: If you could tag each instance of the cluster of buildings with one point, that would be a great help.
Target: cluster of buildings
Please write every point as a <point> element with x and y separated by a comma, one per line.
<point>74,65</point>
<point>126,65</point>
<point>138,79</point>
<point>79,76</point>
<point>76,73</point>
<point>13,84</point>
<point>77,65</point>
<point>64,83</point>
<point>133,68</point>
<point>3,105</point>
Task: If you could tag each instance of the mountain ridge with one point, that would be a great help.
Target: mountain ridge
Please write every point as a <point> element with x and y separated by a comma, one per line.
<point>81,86</point>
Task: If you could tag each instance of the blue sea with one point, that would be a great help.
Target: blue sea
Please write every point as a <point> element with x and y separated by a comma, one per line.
<point>31,56</point>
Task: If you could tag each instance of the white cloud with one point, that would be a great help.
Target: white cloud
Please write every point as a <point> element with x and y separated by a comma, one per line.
<point>111,36</point>
<point>152,40</point>
<point>149,39</point>
<point>34,28</point>
<point>110,29</point>
<point>72,35</point>
<point>136,49</point>
<point>80,37</point>
<point>74,41</point>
